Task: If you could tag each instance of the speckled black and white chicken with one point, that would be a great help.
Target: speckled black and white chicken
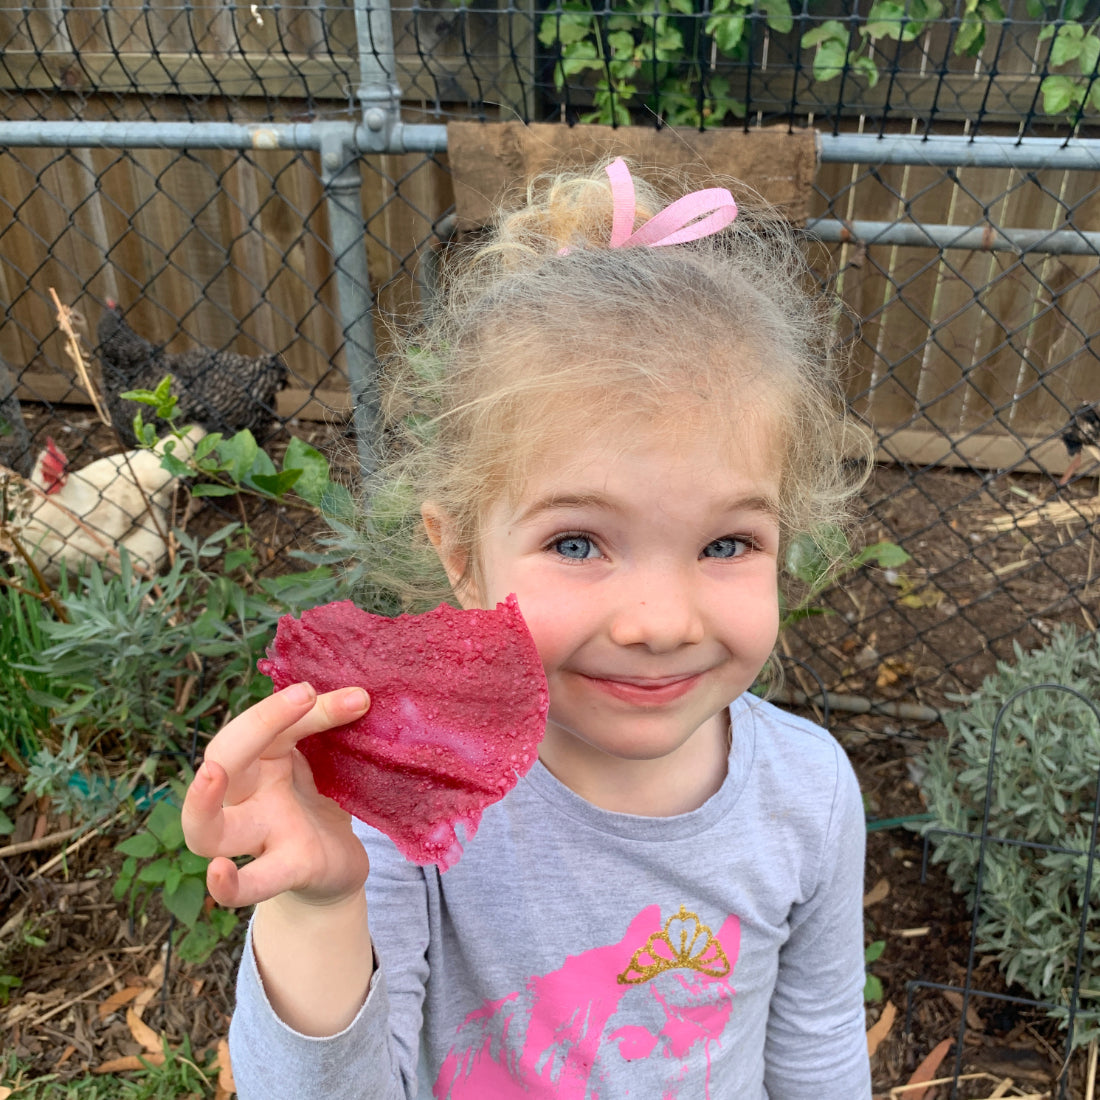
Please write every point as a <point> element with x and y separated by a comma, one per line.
<point>1081,434</point>
<point>222,391</point>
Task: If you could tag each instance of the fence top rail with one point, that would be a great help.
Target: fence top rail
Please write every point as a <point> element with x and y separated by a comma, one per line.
<point>404,137</point>
<point>981,151</point>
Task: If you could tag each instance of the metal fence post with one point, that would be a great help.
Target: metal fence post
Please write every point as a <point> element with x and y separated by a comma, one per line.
<point>380,98</point>
<point>342,182</point>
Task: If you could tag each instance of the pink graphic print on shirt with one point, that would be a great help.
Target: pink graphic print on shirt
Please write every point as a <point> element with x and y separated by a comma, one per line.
<point>648,1008</point>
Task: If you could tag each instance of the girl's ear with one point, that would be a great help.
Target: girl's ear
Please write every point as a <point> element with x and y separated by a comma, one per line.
<point>440,531</point>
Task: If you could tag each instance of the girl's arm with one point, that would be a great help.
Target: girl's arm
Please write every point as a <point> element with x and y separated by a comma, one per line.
<point>313,1018</point>
<point>315,960</point>
<point>816,1039</point>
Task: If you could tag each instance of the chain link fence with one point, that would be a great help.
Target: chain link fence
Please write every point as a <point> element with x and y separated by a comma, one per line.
<point>269,180</point>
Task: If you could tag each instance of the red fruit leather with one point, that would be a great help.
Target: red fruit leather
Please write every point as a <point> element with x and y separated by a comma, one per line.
<point>458,707</point>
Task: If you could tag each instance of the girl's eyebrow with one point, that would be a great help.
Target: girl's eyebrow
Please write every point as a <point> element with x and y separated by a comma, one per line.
<point>560,501</point>
<point>754,502</point>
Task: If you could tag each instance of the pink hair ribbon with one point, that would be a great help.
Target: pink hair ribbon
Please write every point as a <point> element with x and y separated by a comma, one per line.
<point>696,215</point>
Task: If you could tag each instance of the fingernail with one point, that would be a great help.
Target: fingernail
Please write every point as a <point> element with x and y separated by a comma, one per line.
<point>299,693</point>
<point>355,699</point>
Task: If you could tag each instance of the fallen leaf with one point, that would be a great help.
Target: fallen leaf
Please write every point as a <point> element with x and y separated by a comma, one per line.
<point>142,1032</point>
<point>117,1000</point>
<point>154,980</point>
<point>879,892</point>
<point>926,1071</point>
<point>973,1020</point>
<point>226,1085</point>
<point>880,1028</point>
<point>5,1092</point>
<point>891,671</point>
<point>66,1054</point>
<point>131,1061</point>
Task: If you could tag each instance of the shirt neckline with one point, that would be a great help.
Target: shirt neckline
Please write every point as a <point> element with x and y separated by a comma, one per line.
<point>639,827</point>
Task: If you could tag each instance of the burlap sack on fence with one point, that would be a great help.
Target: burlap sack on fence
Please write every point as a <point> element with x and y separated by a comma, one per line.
<point>489,161</point>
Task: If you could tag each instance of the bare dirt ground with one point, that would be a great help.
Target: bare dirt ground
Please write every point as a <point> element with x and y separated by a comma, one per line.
<point>928,631</point>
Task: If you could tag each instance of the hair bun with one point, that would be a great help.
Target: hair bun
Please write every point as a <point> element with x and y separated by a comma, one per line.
<point>568,210</point>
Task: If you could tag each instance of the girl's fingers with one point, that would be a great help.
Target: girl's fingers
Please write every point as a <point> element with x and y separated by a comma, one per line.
<point>257,881</point>
<point>202,816</point>
<point>274,725</point>
<point>223,882</point>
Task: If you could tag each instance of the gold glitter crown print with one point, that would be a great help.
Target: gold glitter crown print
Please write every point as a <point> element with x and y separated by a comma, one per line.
<point>685,943</point>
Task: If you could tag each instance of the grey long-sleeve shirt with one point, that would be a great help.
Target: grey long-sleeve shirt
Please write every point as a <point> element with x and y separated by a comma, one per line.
<point>581,954</point>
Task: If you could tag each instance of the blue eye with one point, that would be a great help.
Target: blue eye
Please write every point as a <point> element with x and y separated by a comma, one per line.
<point>726,548</point>
<point>577,547</point>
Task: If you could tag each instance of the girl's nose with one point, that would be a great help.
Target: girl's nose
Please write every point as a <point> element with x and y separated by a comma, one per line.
<point>659,611</point>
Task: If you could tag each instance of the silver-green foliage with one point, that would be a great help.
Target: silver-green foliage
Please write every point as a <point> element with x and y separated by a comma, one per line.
<point>1043,791</point>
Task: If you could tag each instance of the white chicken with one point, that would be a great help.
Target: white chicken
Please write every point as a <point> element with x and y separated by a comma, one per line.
<point>72,517</point>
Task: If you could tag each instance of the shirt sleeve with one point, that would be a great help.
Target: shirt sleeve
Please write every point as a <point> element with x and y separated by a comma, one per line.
<point>816,1039</point>
<point>375,1056</point>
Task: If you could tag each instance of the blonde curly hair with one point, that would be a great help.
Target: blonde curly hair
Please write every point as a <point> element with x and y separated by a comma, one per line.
<point>545,333</point>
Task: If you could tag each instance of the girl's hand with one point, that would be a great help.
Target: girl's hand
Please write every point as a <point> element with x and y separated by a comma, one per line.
<point>254,795</point>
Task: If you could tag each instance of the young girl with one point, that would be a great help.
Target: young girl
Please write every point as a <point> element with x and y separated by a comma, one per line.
<point>633,410</point>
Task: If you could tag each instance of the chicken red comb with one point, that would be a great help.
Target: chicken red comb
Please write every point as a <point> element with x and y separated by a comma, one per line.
<point>112,304</point>
<point>54,466</point>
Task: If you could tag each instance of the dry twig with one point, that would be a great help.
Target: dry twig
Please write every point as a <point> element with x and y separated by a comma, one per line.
<point>76,354</point>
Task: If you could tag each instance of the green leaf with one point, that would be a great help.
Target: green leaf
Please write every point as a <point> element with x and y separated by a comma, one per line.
<point>887,555</point>
<point>1090,54</point>
<point>241,556</point>
<point>213,491</point>
<point>125,878</point>
<point>313,468</point>
<point>868,68</point>
<point>778,14</point>
<point>238,454</point>
<point>174,466</point>
<point>155,872</point>
<point>874,951</point>
<point>573,29</point>
<point>620,42</point>
<point>926,10</point>
<point>191,864</point>
<point>199,942</point>
<point>186,901</point>
<point>223,920</point>
<point>173,878</point>
<point>832,30</point>
<point>143,845</point>
<point>1059,94</point>
<point>726,30</point>
<point>970,37</point>
<point>1067,44</point>
<point>275,484</point>
<point>207,444</point>
<point>811,555</point>
<point>872,989</point>
<point>886,19</point>
<point>164,823</point>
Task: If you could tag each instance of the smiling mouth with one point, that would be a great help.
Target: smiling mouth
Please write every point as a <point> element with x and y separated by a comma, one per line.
<point>645,691</point>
